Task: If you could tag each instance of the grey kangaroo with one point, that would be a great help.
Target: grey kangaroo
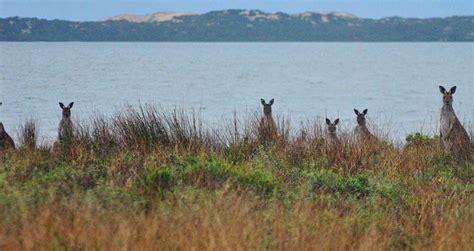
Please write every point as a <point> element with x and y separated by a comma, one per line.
<point>65,130</point>
<point>267,129</point>
<point>454,137</point>
<point>331,135</point>
<point>6,142</point>
<point>361,131</point>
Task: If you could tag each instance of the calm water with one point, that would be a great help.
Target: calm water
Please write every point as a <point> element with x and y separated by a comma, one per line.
<point>397,82</point>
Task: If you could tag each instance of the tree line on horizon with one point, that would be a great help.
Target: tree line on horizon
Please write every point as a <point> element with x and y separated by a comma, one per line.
<point>232,25</point>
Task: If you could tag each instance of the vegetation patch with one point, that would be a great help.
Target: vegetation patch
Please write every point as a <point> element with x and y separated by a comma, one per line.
<point>149,179</point>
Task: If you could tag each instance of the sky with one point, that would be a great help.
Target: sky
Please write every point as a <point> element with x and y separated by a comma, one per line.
<point>92,10</point>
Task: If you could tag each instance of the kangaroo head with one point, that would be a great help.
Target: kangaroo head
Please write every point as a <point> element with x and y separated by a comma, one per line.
<point>66,109</point>
<point>267,108</point>
<point>360,116</point>
<point>447,95</point>
<point>332,126</point>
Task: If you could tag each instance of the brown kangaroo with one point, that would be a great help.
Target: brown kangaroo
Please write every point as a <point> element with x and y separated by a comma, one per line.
<point>361,131</point>
<point>331,135</point>
<point>267,129</point>
<point>333,143</point>
<point>65,130</point>
<point>454,137</point>
<point>6,142</point>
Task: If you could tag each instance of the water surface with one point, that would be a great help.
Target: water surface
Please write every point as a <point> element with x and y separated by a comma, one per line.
<point>397,82</point>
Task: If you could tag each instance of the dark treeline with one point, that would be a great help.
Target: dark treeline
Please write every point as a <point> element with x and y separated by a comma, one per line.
<point>232,25</point>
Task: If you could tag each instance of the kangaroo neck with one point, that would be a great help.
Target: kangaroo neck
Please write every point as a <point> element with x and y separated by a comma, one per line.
<point>447,108</point>
<point>332,134</point>
<point>65,123</point>
<point>66,118</point>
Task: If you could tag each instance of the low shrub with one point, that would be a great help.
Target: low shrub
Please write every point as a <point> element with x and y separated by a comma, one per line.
<point>327,181</point>
<point>420,139</point>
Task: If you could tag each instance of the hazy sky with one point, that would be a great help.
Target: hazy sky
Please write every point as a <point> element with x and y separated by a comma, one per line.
<point>100,9</point>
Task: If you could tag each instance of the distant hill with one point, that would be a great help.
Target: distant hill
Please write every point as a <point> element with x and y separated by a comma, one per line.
<point>154,17</point>
<point>240,25</point>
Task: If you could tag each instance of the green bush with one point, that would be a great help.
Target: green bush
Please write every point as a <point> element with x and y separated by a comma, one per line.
<point>419,139</point>
<point>159,179</point>
<point>326,180</point>
<point>216,173</point>
<point>358,185</point>
<point>257,179</point>
<point>207,172</point>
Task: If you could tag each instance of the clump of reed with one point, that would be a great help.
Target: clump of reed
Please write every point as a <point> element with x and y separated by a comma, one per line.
<point>144,129</point>
<point>28,134</point>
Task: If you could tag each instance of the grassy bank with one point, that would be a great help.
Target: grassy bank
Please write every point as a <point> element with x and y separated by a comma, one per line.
<point>151,179</point>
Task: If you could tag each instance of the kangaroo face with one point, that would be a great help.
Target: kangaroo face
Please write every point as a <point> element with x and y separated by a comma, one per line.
<point>447,95</point>
<point>332,126</point>
<point>360,116</point>
<point>66,109</point>
<point>267,108</point>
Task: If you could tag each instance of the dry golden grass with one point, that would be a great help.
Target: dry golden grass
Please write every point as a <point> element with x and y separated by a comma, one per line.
<point>231,221</point>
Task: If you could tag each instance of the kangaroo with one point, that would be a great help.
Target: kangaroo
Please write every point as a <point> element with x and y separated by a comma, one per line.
<point>454,137</point>
<point>331,136</point>
<point>65,130</point>
<point>361,131</point>
<point>6,142</point>
<point>333,144</point>
<point>267,129</point>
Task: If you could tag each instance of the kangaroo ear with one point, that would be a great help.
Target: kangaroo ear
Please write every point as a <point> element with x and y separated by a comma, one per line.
<point>442,89</point>
<point>365,112</point>
<point>336,121</point>
<point>453,90</point>
<point>61,105</point>
<point>328,122</point>
<point>70,105</point>
<point>263,101</point>
<point>271,101</point>
<point>356,111</point>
